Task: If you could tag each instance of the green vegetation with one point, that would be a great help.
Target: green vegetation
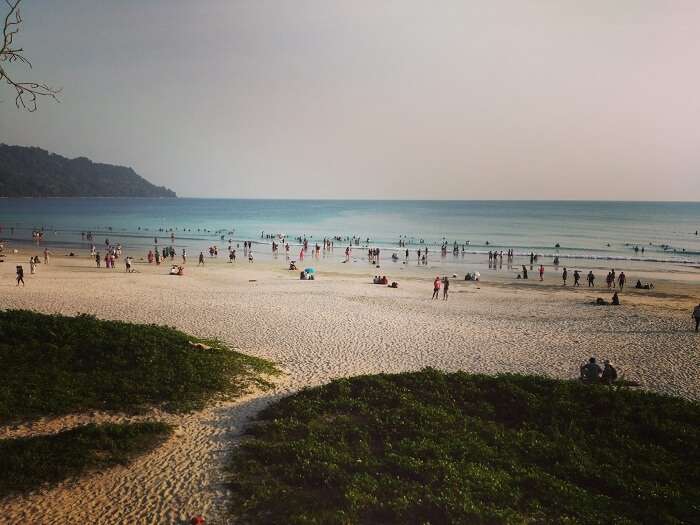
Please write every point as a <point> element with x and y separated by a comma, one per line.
<point>28,463</point>
<point>34,172</point>
<point>51,364</point>
<point>430,447</point>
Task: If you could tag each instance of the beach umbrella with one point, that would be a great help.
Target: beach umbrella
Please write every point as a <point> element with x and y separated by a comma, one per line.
<point>309,270</point>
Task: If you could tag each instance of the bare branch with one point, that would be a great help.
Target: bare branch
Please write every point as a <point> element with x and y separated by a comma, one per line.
<point>27,93</point>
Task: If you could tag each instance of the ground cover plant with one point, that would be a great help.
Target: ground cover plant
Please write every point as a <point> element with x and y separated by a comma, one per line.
<point>30,462</point>
<point>52,364</point>
<point>430,447</point>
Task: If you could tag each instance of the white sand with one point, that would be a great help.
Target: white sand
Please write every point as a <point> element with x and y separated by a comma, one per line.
<point>338,325</point>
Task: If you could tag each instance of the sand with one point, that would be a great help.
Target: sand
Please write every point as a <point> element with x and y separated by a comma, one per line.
<point>338,325</point>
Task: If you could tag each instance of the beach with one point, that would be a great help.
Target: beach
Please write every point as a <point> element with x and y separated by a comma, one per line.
<point>339,325</point>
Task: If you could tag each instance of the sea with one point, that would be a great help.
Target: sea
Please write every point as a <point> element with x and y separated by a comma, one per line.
<point>662,232</point>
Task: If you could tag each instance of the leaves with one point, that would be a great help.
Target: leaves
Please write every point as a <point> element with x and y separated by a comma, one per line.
<point>430,447</point>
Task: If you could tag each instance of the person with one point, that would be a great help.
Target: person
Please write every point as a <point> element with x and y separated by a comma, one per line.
<point>541,272</point>
<point>564,275</point>
<point>590,372</point>
<point>591,279</point>
<point>609,374</point>
<point>201,258</point>
<point>32,266</point>
<point>20,275</point>
<point>524,272</point>
<point>445,288</point>
<point>184,256</point>
<point>436,287</point>
<point>621,280</point>
<point>577,278</point>
<point>127,262</point>
<point>696,315</point>
<point>47,253</point>
<point>615,300</point>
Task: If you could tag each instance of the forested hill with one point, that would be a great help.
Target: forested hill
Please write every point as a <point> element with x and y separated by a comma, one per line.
<point>34,172</point>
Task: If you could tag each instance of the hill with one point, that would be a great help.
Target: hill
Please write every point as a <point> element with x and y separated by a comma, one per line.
<point>34,172</point>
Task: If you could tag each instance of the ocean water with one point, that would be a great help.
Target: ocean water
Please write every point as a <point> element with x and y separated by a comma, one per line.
<point>594,230</point>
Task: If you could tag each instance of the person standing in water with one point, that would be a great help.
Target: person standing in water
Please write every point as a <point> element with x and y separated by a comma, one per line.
<point>564,275</point>
<point>436,288</point>
<point>541,272</point>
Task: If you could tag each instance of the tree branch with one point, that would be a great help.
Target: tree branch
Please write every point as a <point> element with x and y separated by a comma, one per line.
<point>27,93</point>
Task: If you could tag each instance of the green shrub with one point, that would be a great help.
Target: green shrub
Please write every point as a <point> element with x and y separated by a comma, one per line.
<point>52,364</point>
<point>430,447</point>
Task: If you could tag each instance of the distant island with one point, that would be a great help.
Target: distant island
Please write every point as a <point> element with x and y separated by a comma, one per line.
<point>34,172</point>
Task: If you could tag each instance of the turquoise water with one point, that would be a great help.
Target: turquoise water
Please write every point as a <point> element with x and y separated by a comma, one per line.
<point>606,230</point>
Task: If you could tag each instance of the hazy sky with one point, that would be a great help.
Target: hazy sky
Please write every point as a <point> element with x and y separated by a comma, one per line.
<point>373,99</point>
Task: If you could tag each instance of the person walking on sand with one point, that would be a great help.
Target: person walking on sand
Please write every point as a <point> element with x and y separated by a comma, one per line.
<point>32,266</point>
<point>541,272</point>
<point>564,275</point>
<point>47,253</point>
<point>445,288</point>
<point>696,315</point>
<point>591,279</point>
<point>577,278</point>
<point>436,288</point>
<point>201,258</point>
<point>621,280</point>
<point>20,275</point>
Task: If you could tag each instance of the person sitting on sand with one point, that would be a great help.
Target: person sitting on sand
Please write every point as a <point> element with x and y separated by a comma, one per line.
<point>696,315</point>
<point>590,372</point>
<point>615,300</point>
<point>292,266</point>
<point>609,374</point>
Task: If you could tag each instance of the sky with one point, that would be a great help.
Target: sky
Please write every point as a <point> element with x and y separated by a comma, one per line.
<point>540,99</point>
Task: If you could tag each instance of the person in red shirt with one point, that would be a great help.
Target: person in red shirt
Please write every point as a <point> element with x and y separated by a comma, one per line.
<point>436,288</point>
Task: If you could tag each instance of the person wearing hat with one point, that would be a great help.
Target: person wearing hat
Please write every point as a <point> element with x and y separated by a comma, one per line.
<point>609,373</point>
